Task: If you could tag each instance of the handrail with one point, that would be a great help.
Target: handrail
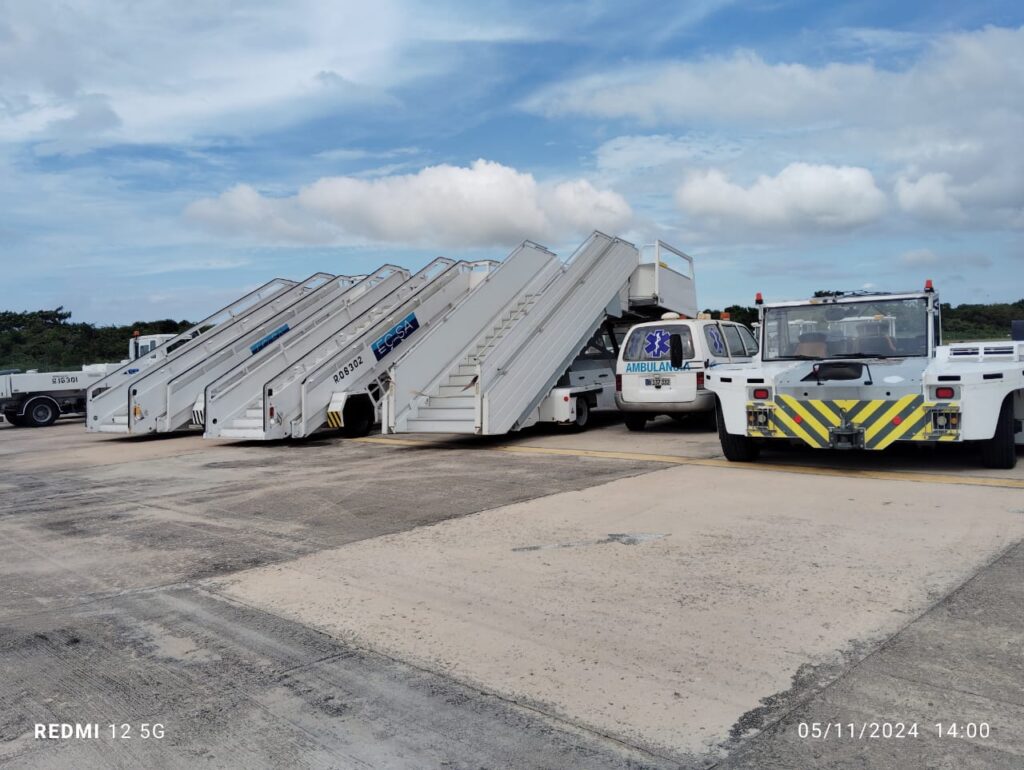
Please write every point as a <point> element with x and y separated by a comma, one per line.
<point>437,352</point>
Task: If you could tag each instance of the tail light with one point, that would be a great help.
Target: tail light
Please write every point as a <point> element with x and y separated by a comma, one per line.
<point>761,393</point>
<point>618,383</point>
<point>700,379</point>
<point>270,412</point>
<point>944,393</point>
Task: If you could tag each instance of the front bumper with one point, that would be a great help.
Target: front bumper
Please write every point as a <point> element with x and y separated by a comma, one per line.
<point>853,424</point>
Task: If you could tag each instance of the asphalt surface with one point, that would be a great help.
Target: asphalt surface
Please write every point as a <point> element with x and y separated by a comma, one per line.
<point>114,554</point>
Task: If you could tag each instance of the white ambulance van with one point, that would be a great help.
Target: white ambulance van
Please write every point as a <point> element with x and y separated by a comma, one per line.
<point>661,365</point>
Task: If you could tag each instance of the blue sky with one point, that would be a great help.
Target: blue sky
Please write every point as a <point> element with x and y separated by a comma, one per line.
<point>159,159</point>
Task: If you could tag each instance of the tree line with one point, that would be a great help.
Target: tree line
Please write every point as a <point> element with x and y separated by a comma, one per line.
<point>49,341</point>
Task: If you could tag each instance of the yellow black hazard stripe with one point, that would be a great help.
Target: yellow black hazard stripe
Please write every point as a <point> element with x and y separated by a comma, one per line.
<point>882,421</point>
<point>334,419</point>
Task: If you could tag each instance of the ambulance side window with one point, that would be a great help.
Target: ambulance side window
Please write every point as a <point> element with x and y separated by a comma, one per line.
<point>732,336</point>
<point>716,342</point>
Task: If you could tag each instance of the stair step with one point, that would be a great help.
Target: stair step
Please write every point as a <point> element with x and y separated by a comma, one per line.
<point>441,426</point>
<point>467,370</point>
<point>459,380</point>
<point>441,413</point>
<point>449,401</point>
<point>454,391</point>
<point>120,419</point>
<point>255,413</point>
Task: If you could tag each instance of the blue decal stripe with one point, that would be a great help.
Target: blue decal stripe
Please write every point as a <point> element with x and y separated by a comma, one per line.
<point>259,344</point>
<point>394,336</point>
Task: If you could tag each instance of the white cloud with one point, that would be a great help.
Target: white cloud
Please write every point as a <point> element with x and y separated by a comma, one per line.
<point>632,154</point>
<point>945,126</point>
<point>928,258</point>
<point>929,197</point>
<point>978,68</point>
<point>919,258</point>
<point>243,210</point>
<point>483,205</point>
<point>802,196</point>
<point>173,72</point>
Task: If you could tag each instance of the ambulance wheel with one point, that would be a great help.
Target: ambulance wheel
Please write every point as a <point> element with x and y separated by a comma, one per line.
<point>737,449</point>
<point>14,420</point>
<point>40,412</point>
<point>357,417</point>
<point>1000,451</point>
<point>582,413</point>
<point>636,421</point>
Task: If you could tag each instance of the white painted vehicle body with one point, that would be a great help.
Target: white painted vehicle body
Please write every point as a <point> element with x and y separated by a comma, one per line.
<point>648,383</point>
<point>869,389</point>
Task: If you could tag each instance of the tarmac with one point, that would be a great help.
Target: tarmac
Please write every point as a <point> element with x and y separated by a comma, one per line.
<point>550,599</point>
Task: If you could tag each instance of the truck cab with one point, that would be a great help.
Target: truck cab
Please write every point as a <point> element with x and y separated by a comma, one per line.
<point>662,364</point>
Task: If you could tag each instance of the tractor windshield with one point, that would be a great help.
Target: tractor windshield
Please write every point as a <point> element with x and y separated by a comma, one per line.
<point>875,328</point>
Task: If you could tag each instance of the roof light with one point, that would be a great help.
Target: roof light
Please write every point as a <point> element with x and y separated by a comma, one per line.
<point>928,285</point>
<point>670,316</point>
<point>758,299</point>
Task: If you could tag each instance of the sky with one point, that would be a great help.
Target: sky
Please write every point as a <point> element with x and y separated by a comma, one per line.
<point>159,159</point>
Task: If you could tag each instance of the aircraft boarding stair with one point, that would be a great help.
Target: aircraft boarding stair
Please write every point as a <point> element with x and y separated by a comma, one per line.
<point>164,401</point>
<point>107,400</point>
<point>496,381</point>
<point>229,400</point>
<point>340,383</point>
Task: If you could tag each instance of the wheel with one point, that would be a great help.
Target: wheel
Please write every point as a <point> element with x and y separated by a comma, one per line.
<point>14,420</point>
<point>582,413</point>
<point>679,418</point>
<point>737,449</point>
<point>40,412</point>
<point>1000,451</point>
<point>357,417</point>
<point>709,419</point>
<point>636,421</point>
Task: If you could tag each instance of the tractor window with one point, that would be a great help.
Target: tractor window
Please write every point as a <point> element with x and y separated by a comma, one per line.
<point>875,328</point>
<point>651,343</point>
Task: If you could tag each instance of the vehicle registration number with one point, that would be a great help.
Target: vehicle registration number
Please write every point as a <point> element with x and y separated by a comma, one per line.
<point>658,382</point>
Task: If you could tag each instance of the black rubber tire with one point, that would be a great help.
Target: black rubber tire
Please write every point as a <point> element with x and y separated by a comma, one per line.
<point>40,412</point>
<point>357,418</point>
<point>14,420</point>
<point>709,419</point>
<point>680,418</point>
<point>582,413</point>
<point>1000,451</point>
<point>737,449</point>
<point>635,421</point>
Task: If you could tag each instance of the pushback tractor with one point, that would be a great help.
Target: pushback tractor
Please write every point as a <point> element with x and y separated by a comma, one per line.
<point>865,371</point>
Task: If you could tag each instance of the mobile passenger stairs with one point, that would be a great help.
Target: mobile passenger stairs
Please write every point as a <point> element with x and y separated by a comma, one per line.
<point>510,354</point>
<point>336,376</point>
<point>340,380</point>
<point>107,399</point>
<point>141,401</point>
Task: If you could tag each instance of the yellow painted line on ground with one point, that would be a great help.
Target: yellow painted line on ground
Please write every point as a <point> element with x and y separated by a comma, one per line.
<point>807,470</point>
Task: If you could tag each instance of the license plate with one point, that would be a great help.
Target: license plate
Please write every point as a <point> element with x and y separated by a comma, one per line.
<point>658,382</point>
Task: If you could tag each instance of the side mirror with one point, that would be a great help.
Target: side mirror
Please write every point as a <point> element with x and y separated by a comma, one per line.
<point>675,351</point>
